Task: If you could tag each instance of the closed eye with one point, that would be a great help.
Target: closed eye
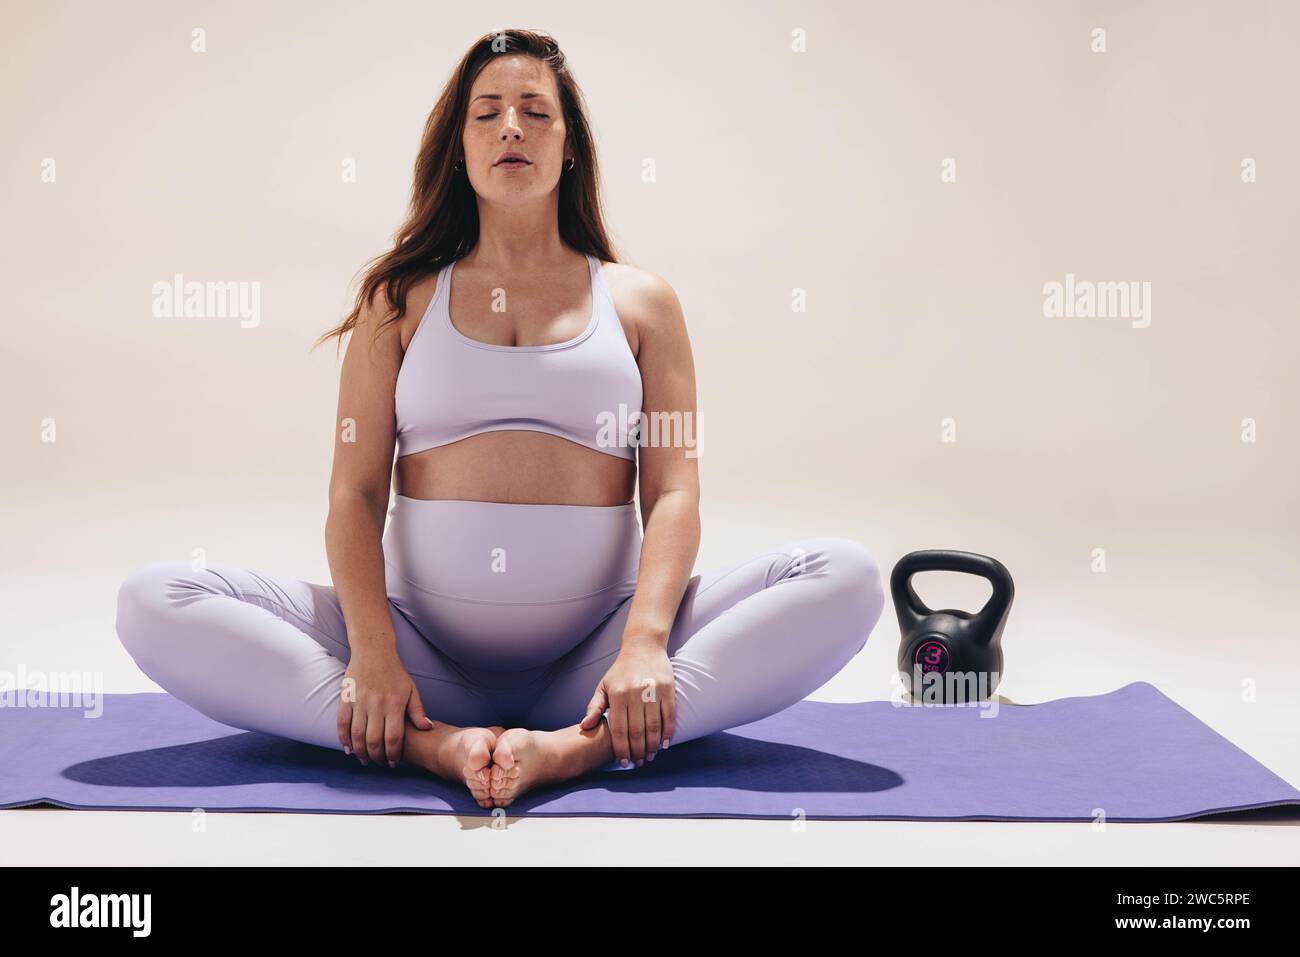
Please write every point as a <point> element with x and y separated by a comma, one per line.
<point>543,116</point>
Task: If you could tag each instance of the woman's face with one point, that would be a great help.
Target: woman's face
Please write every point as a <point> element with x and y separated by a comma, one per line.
<point>514,107</point>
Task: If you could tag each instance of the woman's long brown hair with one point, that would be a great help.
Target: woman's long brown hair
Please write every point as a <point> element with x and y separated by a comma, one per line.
<point>442,224</point>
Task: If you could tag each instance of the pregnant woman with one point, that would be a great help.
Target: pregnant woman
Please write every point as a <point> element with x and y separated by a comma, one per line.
<point>510,626</point>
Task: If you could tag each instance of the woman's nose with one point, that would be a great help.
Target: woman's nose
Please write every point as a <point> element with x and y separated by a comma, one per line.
<point>510,125</point>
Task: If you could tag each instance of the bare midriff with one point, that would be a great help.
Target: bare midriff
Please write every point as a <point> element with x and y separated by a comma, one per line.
<point>517,467</point>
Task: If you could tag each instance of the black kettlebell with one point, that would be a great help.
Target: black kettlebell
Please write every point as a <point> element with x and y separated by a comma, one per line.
<point>950,656</point>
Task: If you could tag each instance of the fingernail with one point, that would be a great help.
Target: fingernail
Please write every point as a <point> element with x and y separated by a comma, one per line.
<point>667,741</point>
<point>639,763</point>
<point>347,749</point>
<point>623,762</point>
<point>392,764</point>
<point>650,756</point>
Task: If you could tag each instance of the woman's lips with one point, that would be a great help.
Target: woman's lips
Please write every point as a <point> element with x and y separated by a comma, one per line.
<point>513,164</point>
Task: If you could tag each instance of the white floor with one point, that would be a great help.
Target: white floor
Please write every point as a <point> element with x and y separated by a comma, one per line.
<point>86,838</point>
<point>1214,636</point>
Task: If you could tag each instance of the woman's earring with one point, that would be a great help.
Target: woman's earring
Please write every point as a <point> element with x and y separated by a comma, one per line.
<point>572,160</point>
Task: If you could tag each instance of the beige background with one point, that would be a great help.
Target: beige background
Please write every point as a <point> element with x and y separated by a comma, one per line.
<point>775,171</point>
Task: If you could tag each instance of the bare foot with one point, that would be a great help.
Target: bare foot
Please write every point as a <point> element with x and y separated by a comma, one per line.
<point>462,754</point>
<point>523,759</point>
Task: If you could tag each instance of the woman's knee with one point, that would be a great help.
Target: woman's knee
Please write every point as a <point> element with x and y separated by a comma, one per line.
<point>145,601</point>
<point>854,588</point>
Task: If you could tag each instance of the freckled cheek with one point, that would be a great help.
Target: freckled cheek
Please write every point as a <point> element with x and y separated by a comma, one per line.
<point>480,145</point>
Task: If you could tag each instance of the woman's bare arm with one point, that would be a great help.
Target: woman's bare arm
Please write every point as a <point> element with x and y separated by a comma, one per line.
<point>669,474</point>
<point>361,479</point>
<point>373,711</point>
<point>638,692</point>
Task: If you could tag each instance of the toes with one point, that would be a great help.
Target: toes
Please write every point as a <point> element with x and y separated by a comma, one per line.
<point>506,776</point>
<point>503,782</point>
<point>477,770</point>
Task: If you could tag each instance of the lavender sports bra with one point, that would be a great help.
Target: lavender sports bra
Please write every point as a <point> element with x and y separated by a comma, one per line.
<point>586,390</point>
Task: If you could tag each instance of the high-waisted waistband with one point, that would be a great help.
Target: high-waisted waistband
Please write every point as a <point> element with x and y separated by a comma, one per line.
<point>505,587</point>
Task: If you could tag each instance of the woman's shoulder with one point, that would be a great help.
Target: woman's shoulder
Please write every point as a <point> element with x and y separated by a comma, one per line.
<point>646,304</point>
<point>641,296</point>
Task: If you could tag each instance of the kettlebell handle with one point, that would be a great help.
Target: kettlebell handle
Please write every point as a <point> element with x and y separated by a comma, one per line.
<point>946,560</point>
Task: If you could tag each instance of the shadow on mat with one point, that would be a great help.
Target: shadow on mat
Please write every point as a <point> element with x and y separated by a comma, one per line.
<point>250,758</point>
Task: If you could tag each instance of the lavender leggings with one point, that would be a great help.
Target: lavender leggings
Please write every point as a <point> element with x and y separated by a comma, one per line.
<point>505,614</point>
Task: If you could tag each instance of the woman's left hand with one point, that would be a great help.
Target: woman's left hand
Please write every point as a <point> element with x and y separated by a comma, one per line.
<point>641,696</point>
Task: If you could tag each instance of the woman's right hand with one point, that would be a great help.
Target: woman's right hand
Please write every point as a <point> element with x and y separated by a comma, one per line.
<point>378,694</point>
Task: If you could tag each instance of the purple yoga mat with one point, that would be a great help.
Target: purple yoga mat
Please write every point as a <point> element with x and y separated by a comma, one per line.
<point>1132,754</point>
